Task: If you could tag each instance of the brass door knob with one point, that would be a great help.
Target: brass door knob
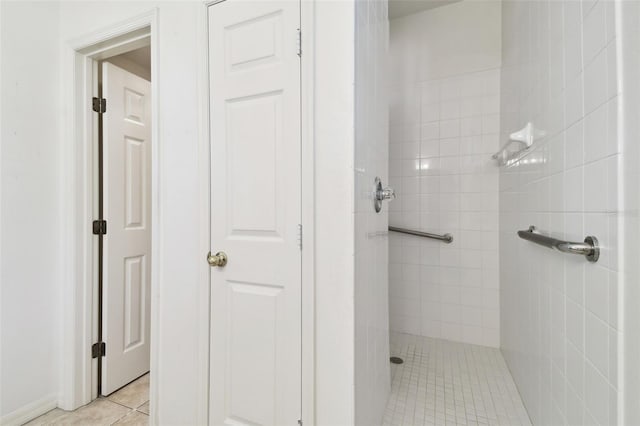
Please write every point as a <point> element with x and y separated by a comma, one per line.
<point>219,259</point>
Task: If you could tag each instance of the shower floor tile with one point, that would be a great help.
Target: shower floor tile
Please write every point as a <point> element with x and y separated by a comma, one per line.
<point>449,383</point>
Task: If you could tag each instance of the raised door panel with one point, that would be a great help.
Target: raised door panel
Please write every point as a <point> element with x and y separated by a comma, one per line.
<point>254,42</point>
<point>253,325</point>
<point>254,155</point>
<point>135,183</point>
<point>134,306</point>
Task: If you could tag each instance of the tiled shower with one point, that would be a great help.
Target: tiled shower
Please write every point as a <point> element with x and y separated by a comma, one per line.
<point>464,76</point>
<point>444,126</point>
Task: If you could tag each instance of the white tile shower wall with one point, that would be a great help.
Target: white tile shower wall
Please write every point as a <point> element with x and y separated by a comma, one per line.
<point>559,313</point>
<point>372,373</point>
<point>444,116</point>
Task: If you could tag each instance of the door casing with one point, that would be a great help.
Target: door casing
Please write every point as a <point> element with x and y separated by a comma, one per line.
<point>79,323</point>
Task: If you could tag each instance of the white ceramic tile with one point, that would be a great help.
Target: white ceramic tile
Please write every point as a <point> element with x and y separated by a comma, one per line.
<point>572,38</point>
<point>573,189</point>
<point>491,104</point>
<point>595,79</point>
<point>449,128</point>
<point>595,134</point>
<point>449,110</point>
<point>430,112</point>
<point>595,37</point>
<point>443,382</point>
<point>491,124</point>
<point>597,343</point>
<point>471,126</point>
<point>597,291</point>
<point>451,312</point>
<point>471,316</point>
<point>449,89</point>
<point>575,324</point>
<point>596,394</point>
<point>612,77</point>
<point>449,146</point>
<point>574,145</point>
<point>451,331</point>
<point>430,130</point>
<point>491,318</point>
<point>475,106</point>
<point>430,91</point>
<point>575,370</point>
<point>574,101</point>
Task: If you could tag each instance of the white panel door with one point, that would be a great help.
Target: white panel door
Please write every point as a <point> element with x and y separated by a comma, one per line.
<point>255,216</point>
<point>127,244</point>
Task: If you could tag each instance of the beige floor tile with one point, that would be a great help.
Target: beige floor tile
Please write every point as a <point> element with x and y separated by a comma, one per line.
<point>134,418</point>
<point>97,413</point>
<point>134,394</point>
<point>47,418</point>
<point>144,408</point>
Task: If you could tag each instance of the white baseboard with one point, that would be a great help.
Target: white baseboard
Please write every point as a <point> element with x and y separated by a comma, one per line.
<point>30,411</point>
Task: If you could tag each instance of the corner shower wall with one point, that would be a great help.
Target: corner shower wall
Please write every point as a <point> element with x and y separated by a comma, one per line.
<point>445,103</point>
<point>560,328</point>
<point>371,158</point>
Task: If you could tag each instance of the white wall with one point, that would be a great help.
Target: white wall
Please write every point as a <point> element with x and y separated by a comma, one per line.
<point>559,313</point>
<point>445,105</point>
<point>29,344</point>
<point>372,374</point>
<point>334,219</point>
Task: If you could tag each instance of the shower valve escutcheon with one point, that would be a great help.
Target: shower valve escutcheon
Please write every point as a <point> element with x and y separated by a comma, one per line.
<point>381,194</point>
<point>219,259</point>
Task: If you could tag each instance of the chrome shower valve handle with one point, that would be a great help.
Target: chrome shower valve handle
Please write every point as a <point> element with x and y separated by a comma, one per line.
<point>381,194</point>
<point>387,194</point>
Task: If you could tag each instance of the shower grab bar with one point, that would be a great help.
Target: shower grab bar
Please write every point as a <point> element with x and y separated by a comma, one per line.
<point>589,248</point>
<point>447,238</point>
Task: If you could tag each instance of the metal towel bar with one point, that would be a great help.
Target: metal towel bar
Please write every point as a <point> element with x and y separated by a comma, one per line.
<point>588,249</point>
<point>447,238</point>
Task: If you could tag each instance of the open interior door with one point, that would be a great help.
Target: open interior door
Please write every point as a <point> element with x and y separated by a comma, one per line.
<point>127,243</point>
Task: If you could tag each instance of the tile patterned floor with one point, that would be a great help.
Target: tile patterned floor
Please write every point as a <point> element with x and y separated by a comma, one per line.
<point>440,383</point>
<point>127,406</point>
<point>449,383</point>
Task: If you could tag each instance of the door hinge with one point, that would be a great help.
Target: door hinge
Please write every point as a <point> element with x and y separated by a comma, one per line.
<point>299,422</point>
<point>300,236</point>
<point>99,227</point>
<point>299,42</point>
<point>98,349</point>
<point>100,105</point>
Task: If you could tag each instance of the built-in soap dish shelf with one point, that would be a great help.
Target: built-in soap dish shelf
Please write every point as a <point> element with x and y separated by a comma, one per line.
<point>525,138</point>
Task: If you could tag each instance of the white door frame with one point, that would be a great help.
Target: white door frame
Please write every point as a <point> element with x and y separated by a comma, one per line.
<point>307,93</point>
<point>78,164</point>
